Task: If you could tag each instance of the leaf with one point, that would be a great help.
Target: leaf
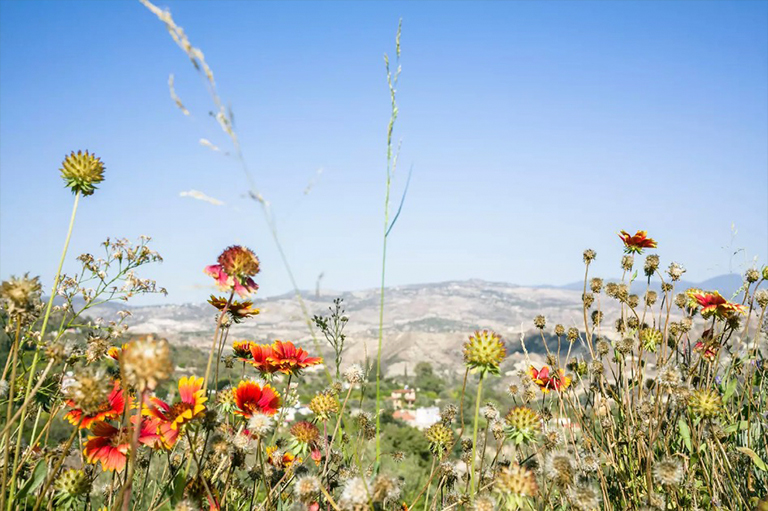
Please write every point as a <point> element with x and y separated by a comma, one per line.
<point>755,458</point>
<point>685,432</point>
<point>729,390</point>
<point>38,476</point>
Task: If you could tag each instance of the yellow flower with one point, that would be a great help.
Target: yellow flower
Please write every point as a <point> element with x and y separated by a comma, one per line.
<point>484,352</point>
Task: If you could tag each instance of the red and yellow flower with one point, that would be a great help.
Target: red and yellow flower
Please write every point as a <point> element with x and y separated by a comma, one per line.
<point>713,304</point>
<point>545,381</point>
<point>112,408</point>
<point>262,358</point>
<point>635,244</point>
<point>172,417</point>
<point>242,350</point>
<point>290,359</point>
<point>281,459</point>
<point>250,398</point>
<point>114,352</point>
<point>237,311</point>
<point>110,445</point>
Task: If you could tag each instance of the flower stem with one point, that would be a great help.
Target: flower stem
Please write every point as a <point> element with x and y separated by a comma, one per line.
<point>474,432</point>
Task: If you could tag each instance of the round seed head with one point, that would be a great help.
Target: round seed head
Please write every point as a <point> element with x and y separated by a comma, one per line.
<point>81,172</point>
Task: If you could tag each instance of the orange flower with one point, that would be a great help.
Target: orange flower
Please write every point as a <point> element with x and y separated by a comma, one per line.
<point>291,360</point>
<point>111,409</point>
<point>281,460</point>
<point>263,358</point>
<point>114,352</point>
<point>172,417</point>
<point>111,445</point>
<point>713,304</point>
<point>636,244</point>
<point>546,382</point>
<point>242,350</point>
<point>251,398</point>
<point>237,311</point>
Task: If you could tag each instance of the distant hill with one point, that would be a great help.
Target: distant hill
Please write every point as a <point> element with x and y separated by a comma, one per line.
<point>728,285</point>
<point>426,322</point>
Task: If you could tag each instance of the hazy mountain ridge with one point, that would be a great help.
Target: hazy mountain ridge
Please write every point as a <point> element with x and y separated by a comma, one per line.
<point>421,321</point>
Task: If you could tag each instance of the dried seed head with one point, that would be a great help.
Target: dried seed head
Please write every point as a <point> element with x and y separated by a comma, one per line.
<point>596,368</point>
<point>386,489</point>
<point>597,317</point>
<point>259,425</point>
<point>239,262</point>
<point>752,275</point>
<point>515,484</point>
<point>584,497</point>
<point>540,322</point>
<point>483,503</point>
<point>147,362</point>
<point>354,495</point>
<point>324,405</point>
<point>633,301</point>
<point>625,345</point>
<point>354,374</point>
<point>675,271</point>
<point>82,172</point>
<point>307,488</point>
<point>669,471</point>
<point>587,299</point>
<point>603,347</point>
<point>706,403</point>
<point>20,297</point>
<point>448,413</point>
<point>627,262</point>
<point>589,256</point>
<point>651,264</point>
<point>89,389</point>
<point>596,285</point>
<point>440,437</point>
<point>650,298</point>
<point>559,468</point>
<point>573,334</point>
<point>559,330</point>
<point>761,297</point>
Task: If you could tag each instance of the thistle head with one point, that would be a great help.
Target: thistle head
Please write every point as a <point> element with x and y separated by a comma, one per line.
<point>484,352</point>
<point>81,172</point>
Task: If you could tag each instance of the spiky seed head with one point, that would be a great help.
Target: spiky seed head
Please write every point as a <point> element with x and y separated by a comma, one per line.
<point>483,503</point>
<point>324,405</point>
<point>354,374</point>
<point>650,298</point>
<point>448,413</point>
<point>20,297</point>
<point>559,330</point>
<point>765,272</point>
<point>587,299</point>
<point>584,497</point>
<point>81,172</point>
<point>752,275</point>
<point>540,322</point>
<point>147,362</point>
<point>602,347</point>
<point>573,334</point>
<point>239,262</point>
<point>633,301</point>
<point>627,262</point>
<point>73,482</point>
<point>523,424</point>
<point>625,345</point>
<point>761,297</point>
<point>706,403</point>
<point>650,339</point>
<point>596,285</point>
<point>484,352</point>
<point>589,255</point>
<point>669,471</point>
<point>515,485</point>
<point>440,437</point>
<point>597,317</point>
<point>398,456</point>
<point>675,271</point>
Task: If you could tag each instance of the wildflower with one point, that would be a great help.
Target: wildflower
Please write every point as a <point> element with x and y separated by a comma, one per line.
<point>82,172</point>
<point>668,472</point>
<point>713,304</point>
<point>237,265</point>
<point>354,495</point>
<point>20,296</point>
<point>540,322</point>
<point>280,459</point>
<point>708,348</point>
<point>242,350</point>
<point>705,403</point>
<point>635,244</point>
<point>589,255</point>
<point>110,408</point>
<point>147,362</point>
<point>307,488</point>
<point>262,358</point>
<point>559,468</point>
<point>237,311</point>
<point>386,489</point>
<point>546,381</point>
<point>440,438</point>
<point>513,390</point>
<point>305,437</point>
<point>173,417</point>
<point>252,398</point>
<point>651,265</point>
<point>259,425</point>
<point>291,360</point>
<point>110,445</point>
<point>523,424</point>
<point>484,352</point>
<point>354,374</point>
<point>515,486</point>
<point>73,482</point>
<point>324,405</point>
<point>584,497</point>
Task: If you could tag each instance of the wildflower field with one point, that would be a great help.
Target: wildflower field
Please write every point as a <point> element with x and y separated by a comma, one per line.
<point>663,406</point>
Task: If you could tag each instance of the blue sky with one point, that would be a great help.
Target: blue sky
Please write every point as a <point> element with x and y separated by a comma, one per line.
<point>535,130</point>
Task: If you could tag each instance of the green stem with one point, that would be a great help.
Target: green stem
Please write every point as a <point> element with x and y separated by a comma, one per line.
<point>474,431</point>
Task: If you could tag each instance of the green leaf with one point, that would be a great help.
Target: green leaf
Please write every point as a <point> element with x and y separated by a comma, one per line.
<point>729,390</point>
<point>685,432</point>
<point>755,458</point>
<point>38,476</point>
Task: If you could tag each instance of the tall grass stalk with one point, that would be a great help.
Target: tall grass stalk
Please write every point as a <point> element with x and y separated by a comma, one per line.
<point>391,166</point>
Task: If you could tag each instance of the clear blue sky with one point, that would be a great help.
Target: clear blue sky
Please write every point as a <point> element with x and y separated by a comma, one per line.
<point>536,130</point>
